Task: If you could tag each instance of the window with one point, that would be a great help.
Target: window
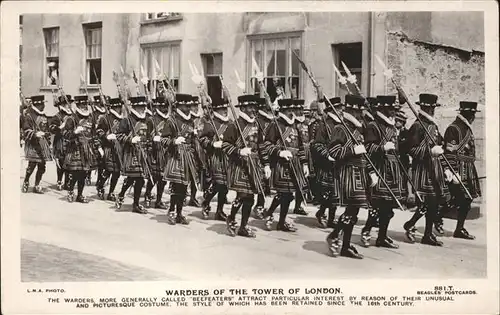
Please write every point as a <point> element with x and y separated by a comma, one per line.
<point>212,67</point>
<point>276,60</point>
<point>51,55</point>
<point>351,55</point>
<point>162,62</point>
<point>93,45</point>
<point>162,15</point>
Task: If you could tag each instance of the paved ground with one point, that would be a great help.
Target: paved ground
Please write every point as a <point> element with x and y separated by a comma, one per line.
<point>76,242</point>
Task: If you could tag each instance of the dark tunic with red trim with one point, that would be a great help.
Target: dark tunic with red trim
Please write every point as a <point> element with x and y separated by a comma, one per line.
<point>243,177</point>
<point>326,173</point>
<point>427,170</point>
<point>59,142</point>
<point>460,150</point>
<point>287,176</point>
<point>80,155</point>
<point>156,151</point>
<point>377,133</point>
<point>182,164</point>
<point>109,124</point>
<point>352,169</point>
<point>217,159</point>
<point>134,157</point>
<point>36,149</point>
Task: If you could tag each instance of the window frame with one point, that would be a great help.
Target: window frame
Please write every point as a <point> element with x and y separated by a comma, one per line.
<point>204,57</point>
<point>358,72</point>
<point>288,36</point>
<point>86,28</point>
<point>47,59</point>
<point>146,19</point>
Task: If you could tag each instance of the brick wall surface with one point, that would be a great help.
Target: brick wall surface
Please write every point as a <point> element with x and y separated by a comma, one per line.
<point>454,75</point>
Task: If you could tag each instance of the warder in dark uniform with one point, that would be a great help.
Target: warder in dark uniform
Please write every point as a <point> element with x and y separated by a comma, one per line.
<point>98,110</point>
<point>403,150</point>
<point>354,174</point>
<point>37,139</point>
<point>460,149</point>
<point>245,165</point>
<point>287,161</point>
<point>211,140</point>
<point>107,129</point>
<point>427,170</point>
<point>302,126</point>
<point>80,156</point>
<point>132,134</point>
<point>316,118</point>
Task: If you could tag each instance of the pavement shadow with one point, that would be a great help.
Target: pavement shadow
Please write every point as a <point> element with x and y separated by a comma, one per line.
<point>218,228</point>
<point>259,224</point>
<point>196,214</point>
<point>160,218</point>
<point>310,222</point>
<point>400,236</point>
<point>317,246</point>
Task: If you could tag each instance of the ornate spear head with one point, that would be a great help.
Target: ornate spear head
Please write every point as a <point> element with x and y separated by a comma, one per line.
<point>342,79</point>
<point>115,77</point>
<point>387,71</point>
<point>350,77</point>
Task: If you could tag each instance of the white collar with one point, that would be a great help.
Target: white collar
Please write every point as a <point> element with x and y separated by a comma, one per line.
<point>219,116</point>
<point>466,122</point>
<point>367,113</point>
<point>161,114</point>
<point>300,119</point>
<point>290,121</point>
<point>100,110</point>
<point>37,111</point>
<point>353,120</point>
<point>140,116</point>
<point>66,110</point>
<point>147,111</point>
<point>427,116</point>
<point>389,121</point>
<point>195,114</point>
<point>246,117</point>
<point>333,116</point>
<point>267,115</point>
<point>184,116</point>
<point>83,113</point>
<point>112,111</point>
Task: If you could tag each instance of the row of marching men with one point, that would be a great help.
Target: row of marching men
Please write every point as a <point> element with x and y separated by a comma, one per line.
<point>260,151</point>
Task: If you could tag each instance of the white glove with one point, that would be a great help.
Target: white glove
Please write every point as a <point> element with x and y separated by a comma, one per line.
<point>156,138</point>
<point>455,179</point>
<point>448,175</point>
<point>359,149</point>
<point>267,171</point>
<point>245,151</point>
<point>136,139</point>
<point>285,154</point>
<point>180,140</point>
<point>40,134</point>
<point>79,129</point>
<point>437,150</point>
<point>305,169</point>
<point>389,146</point>
<point>101,151</point>
<point>374,179</point>
<point>195,131</point>
<point>331,159</point>
<point>217,144</point>
<point>111,136</point>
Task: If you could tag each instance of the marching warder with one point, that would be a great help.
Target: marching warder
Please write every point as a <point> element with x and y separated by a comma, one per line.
<point>196,113</point>
<point>80,155</point>
<point>56,125</point>
<point>382,145</point>
<point>156,152</point>
<point>245,168</point>
<point>327,177</point>
<point>181,168</point>
<point>107,129</point>
<point>460,149</point>
<point>132,134</point>
<point>211,140</point>
<point>264,119</point>
<point>315,119</point>
<point>427,169</point>
<point>302,125</point>
<point>355,175</point>
<point>98,110</point>
<point>286,157</point>
<point>37,138</point>
<point>403,152</point>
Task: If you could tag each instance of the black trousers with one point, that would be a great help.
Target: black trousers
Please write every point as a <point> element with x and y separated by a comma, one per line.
<point>77,177</point>
<point>245,202</point>
<point>40,166</point>
<point>61,172</point>
<point>326,202</point>
<point>138,183</point>
<point>346,223</point>
<point>103,177</point>
<point>177,198</point>
<point>429,208</point>
<point>220,190</point>
<point>160,187</point>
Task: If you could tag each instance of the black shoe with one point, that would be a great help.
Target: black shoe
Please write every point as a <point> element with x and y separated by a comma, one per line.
<point>350,252</point>
<point>71,196</point>
<point>331,224</point>
<point>38,190</point>
<point>119,202</point>
<point>365,238</point>
<point>269,222</point>
<point>171,218</point>
<point>194,203</point>
<point>81,199</point>
<point>160,205</point>
<point>139,209</point>
<point>88,181</point>
<point>300,211</point>
<point>439,229</point>
<point>333,245</point>
<point>205,212</point>
<point>111,197</point>
<point>321,220</point>
<point>285,227</point>
<point>410,233</point>
<point>147,201</point>
<point>59,185</point>
<point>258,211</point>
<point>246,232</point>
<point>25,187</point>
<point>231,226</point>
<point>100,193</point>
<point>463,234</point>
<point>430,240</point>
<point>181,219</point>
<point>386,243</point>
<point>220,216</point>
